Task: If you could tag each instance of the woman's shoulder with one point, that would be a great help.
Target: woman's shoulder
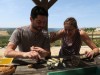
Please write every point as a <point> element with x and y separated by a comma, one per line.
<point>82,32</point>
<point>61,32</point>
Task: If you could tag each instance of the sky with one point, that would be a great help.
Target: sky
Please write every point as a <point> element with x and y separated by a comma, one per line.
<point>16,13</point>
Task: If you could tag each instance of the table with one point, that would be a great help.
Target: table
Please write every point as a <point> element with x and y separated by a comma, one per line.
<point>23,69</point>
<point>41,69</point>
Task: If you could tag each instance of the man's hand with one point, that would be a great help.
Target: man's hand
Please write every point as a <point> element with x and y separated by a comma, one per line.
<point>40,50</point>
<point>32,55</point>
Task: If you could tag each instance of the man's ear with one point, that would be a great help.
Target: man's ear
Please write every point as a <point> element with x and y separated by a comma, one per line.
<point>31,19</point>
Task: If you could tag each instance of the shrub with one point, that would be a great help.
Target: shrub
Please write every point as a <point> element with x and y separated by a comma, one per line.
<point>4,40</point>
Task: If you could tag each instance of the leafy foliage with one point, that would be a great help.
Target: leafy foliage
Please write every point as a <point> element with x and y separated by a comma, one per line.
<point>4,40</point>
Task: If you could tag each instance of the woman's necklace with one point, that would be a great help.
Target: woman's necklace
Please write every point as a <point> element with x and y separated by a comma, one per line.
<point>69,41</point>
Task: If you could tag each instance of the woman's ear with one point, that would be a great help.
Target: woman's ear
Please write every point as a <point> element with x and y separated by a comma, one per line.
<point>64,23</point>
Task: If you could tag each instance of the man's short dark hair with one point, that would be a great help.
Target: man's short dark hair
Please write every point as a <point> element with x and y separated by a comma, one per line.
<point>37,10</point>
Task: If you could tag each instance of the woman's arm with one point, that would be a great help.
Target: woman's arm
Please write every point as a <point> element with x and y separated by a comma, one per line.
<point>90,43</point>
<point>56,35</point>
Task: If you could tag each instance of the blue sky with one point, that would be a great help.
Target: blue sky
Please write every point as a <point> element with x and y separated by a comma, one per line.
<point>16,13</point>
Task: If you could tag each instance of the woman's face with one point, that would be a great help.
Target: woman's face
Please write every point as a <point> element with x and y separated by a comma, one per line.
<point>69,29</point>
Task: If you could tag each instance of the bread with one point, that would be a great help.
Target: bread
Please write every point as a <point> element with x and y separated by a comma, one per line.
<point>6,70</point>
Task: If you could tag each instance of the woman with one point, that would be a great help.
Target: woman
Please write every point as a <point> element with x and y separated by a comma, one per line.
<point>72,39</point>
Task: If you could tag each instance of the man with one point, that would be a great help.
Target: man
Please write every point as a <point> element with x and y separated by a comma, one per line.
<point>31,40</point>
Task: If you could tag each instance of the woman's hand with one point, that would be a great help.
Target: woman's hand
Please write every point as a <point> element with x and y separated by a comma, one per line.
<point>52,36</point>
<point>90,54</point>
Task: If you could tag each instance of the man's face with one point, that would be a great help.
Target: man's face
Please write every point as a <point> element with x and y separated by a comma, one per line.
<point>39,22</point>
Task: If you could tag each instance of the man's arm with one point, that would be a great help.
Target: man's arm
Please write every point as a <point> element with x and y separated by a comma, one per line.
<point>10,52</point>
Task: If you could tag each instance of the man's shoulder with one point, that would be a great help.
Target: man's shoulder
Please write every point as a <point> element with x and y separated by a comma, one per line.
<point>23,28</point>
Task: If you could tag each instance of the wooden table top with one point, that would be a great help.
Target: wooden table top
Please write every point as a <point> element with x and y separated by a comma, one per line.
<point>42,69</point>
